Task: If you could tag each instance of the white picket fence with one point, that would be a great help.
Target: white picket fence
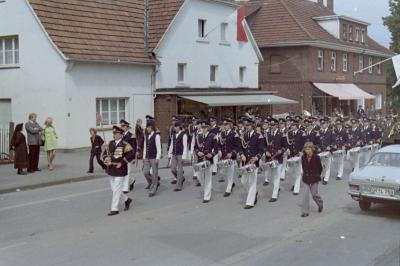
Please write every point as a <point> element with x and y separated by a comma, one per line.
<point>4,141</point>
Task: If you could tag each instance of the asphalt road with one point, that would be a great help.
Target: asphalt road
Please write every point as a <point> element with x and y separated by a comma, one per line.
<point>67,225</point>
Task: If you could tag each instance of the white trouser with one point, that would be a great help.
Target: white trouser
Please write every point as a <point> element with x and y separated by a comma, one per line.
<point>205,179</point>
<point>275,174</point>
<point>116,184</point>
<point>229,172</point>
<point>214,167</point>
<point>284,166</point>
<point>354,159</point>
<point>249,180</point>
<point>194,161</point>
<point>338,163</point>
<point>326,167</point>
<point>296,171</point>
<point>129,178</point>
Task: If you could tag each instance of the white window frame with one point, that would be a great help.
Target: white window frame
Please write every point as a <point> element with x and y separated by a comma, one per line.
<point>201,30</point>
<point>242,74</point>
<point>107,120</point>
<point>378,101</point>
<point>350,33</point>
<point>357,38</point>
<point>345,62</point>
<point>215,69</point>
<point>15,51</point>
<point>379,67</point>
<point>362,35</point>
<point>361,63</point>
<point>224,32</point>
<point>320,67</point>
<point>184,65</point>
<point>370,63</point>
<point>333,61</point>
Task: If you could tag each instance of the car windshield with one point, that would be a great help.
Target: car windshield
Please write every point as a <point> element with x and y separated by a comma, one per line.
<point>385,159</point>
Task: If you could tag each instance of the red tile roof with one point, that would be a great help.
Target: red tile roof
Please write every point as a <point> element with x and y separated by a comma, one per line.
<point>278,21</point>
<point>98,30</point>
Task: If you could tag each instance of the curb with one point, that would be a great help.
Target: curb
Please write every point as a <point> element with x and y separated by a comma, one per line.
<point>58,182</point>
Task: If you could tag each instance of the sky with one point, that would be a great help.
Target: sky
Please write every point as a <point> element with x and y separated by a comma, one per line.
<point>370,11</point>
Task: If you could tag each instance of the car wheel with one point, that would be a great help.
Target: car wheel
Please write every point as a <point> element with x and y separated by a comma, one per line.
<point>364,205</point>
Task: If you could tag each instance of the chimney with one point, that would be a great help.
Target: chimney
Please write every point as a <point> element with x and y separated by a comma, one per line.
<point>330,5</point>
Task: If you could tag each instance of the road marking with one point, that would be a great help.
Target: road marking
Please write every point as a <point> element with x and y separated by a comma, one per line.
<point>13,246</point>
<point>63,198</point>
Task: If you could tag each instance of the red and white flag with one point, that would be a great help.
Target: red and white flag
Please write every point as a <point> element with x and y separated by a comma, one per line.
<point>396,64</point>
<point>238,18</point>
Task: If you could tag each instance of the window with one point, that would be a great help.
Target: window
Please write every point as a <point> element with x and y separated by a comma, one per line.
<point>320,60</point>
<point>202,28</point>
<point>351,33</point>
<point>363,36</point>
<point>242,74</point>
<point>345,63</point>
<point>110,110</point>
<point>378,102</point>
<point>213,73</point>
<point>379,67</point>
<point>224,27</point>
<point>344,32</point>
<point>357,39</point>
<point>9,51</point>
<point>181,72</point>
<point>361,63</point>
<point>333,61</point>
<point>370,63</point>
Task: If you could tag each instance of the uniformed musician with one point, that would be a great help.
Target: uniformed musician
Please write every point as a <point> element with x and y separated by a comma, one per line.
<point>214,129</point>
<point>355,138</point>
<point>326,146</point>
<point>129,180</point>
<point>295,139</point>
<point>341,139</point>
<point>178,154</point>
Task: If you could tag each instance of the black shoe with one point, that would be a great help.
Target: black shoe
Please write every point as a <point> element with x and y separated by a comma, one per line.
<point>266,183</point>
<point>324,183</point>
<point>183,181</point>
<point>177,189</point>
<point>256,200</point>
<point>295,194</point>
<point>221,180</point>
<point>198,185</point>
<point>194,178</point>
<point>127,204</point>
<point>282,179</point>
<point>38,170</point>
<point>152,195</point>
<point>112,213</point>
<point>132,185</point>
<point>89,172</point>
<point>148,186</point>
<point>338,178</point>
<point>22,173</point>
<point>304,215</point>
<point>214,174</point>
<point>292,189</point>
<point>273,200</point>
<point>206,201</point>
<point>173,182</point>
<point>247,207</point>
<point>320,209</point>
<point>227,194</point>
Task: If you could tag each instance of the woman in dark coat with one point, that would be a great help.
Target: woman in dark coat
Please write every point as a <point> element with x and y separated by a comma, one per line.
<point>97,142</point>
<point>312,169</point>
<point>18,144</point>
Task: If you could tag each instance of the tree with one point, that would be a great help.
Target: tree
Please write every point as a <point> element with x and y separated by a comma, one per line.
<point>393,24</point>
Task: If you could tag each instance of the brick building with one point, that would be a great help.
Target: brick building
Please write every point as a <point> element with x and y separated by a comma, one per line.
<point>311,54</point>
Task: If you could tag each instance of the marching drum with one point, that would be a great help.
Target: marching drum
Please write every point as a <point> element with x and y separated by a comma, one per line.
<point>224,163</point>
<point>201,166</point>
<point>338,153</point>
<point>324,155</point>
<point>293,161</point>
<point>250,168</point>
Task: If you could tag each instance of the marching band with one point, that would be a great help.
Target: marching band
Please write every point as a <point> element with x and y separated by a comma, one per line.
<point>253,146</point>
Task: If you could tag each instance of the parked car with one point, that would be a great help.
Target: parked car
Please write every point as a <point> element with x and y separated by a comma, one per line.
<point>379,180</point>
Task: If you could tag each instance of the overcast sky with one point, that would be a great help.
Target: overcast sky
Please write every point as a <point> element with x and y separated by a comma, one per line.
<point>370,11</point>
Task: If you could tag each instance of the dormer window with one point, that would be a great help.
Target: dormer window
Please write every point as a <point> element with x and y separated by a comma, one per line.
<point>351,33</point>
<point>357,39</point>
<point>363,36</point>
<point>344,32</point>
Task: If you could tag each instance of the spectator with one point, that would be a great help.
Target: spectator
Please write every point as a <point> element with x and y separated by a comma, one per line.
<point>18,144</point>
<point>97,143</point>
<point>50,141</point>
<point>312,169</point>
<point>33,131</point>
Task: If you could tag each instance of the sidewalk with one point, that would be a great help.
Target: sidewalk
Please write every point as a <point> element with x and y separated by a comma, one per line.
<point>69,167</point>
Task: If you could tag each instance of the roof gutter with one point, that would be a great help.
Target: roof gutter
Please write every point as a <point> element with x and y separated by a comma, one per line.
<point>322,44</point>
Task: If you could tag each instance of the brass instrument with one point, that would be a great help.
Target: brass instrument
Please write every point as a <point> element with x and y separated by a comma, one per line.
<point>290,142</point>
<point>244,143</point>
<point>267,139</point>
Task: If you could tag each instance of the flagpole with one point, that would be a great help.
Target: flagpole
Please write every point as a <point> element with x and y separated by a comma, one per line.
<point>365,68</point>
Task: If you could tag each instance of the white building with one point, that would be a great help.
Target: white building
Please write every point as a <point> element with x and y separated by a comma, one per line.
<point>71,61</point>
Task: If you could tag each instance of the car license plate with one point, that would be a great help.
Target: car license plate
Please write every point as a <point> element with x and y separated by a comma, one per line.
<point>382,191</point>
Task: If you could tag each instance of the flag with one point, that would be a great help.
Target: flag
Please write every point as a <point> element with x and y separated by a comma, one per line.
<point>238,18</point>
<point>396,64</point>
